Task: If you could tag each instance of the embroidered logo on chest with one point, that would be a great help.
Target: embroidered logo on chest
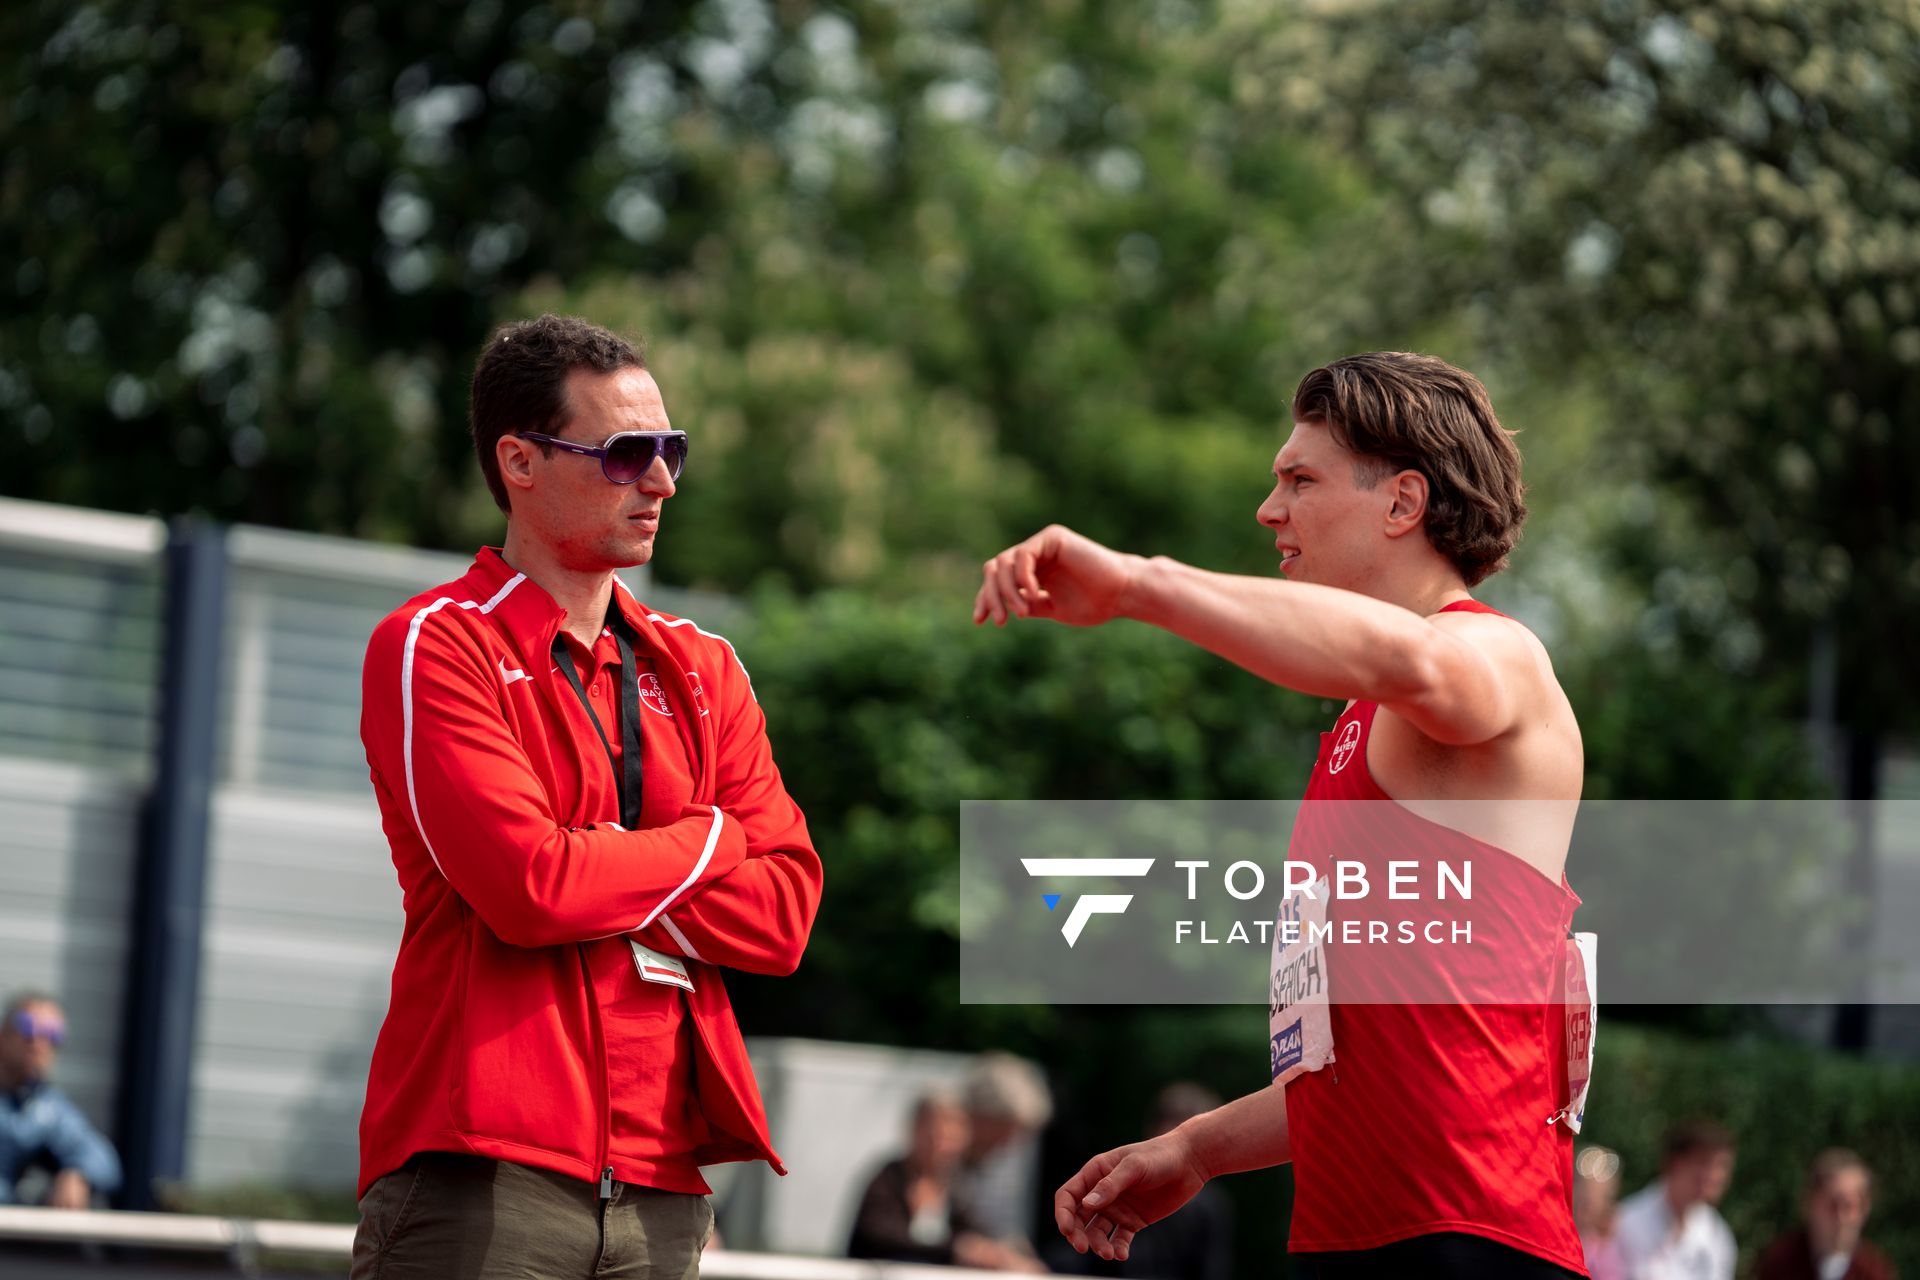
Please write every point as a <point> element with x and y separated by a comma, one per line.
<point>1343,749</point>
<point>654,694</point>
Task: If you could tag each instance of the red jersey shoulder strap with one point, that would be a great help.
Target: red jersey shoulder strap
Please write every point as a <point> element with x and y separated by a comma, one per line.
<point>1471,606</point>
<point>1474,606</point>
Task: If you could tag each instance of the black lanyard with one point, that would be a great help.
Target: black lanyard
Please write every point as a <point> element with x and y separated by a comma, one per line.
<point>626,775</point>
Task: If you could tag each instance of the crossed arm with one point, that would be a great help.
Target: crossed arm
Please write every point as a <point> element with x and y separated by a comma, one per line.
<point>758,916</point>
<point>732,883</point>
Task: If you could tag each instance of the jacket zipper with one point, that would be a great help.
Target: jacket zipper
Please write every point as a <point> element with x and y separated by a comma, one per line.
<point>605,1140</point>
<point>606,1092</point>
<point>699,726</point>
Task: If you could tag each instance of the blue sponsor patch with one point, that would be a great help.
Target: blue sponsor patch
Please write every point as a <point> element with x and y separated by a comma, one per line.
<point>1289,1046</point>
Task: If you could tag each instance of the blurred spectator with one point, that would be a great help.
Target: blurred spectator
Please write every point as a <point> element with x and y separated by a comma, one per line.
<point>1008,1103</point>
<point>39,1126</point>
<point>1596,1186</point>
<point>913,1211</point>
<point>1670,1230</point>
<point>1828,1245</point>
<point>1195,1241</point>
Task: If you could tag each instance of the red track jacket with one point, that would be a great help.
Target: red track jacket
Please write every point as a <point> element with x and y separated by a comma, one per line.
<point>495,794</point>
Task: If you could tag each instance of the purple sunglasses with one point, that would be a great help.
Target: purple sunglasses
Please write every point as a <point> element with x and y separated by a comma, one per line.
<point>625,456</point>
<point>35,1027</point>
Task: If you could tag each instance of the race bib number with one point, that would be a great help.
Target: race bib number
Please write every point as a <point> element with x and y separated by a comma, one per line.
<point>1297,1010</point>
<point>1582,1005</point>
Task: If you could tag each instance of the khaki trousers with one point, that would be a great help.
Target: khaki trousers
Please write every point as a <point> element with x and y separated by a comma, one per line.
<point>460,1217</point>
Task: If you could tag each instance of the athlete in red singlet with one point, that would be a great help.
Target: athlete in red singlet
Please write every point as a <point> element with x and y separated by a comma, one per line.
<point>1431,1153</point>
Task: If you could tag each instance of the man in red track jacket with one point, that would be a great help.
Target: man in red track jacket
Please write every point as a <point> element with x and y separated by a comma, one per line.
<point>588,826</point>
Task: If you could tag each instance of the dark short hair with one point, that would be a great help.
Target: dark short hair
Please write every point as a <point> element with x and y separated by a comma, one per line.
<point>1695,1138</point>
<point>1405,412</point>
<point>520,381</point>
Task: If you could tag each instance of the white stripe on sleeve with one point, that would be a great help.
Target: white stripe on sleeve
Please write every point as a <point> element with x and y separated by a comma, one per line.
<point>680,939</point>
<point>706,856</point>
<point>406,694</point>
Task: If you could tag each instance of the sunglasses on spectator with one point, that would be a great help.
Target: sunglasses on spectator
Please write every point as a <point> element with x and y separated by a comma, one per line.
<point>625,456</point>
<point>39,1027</point>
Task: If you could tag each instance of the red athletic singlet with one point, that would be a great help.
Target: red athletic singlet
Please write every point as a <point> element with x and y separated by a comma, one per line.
<point>1433,1117</point>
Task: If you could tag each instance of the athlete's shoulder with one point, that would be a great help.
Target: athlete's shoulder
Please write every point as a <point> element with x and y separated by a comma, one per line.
<point>1500,635</point>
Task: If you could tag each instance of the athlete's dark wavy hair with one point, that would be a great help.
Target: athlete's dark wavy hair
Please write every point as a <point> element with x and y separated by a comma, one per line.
<point>1405,412</point>
<point>520,382</point>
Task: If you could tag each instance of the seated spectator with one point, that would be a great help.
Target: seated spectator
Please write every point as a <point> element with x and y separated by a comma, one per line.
<point>1596,1185</point>
<point>1670,1230</point>
<point>1827,1246</point>
<point>912,1210</point>
<point>1008,1104</point>
<point>39,1126</point>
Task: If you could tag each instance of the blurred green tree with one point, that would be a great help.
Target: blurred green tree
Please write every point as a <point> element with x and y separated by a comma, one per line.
<point>922,276</point>
<point>251,250</point>
<point>1043,234</point>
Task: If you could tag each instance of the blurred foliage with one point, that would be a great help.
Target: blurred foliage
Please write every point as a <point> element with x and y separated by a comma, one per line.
<point>1711,208</point>
<point>252,249</point>
<point>902,262</point>
<point>923,277</point>
<point>1002,262</point>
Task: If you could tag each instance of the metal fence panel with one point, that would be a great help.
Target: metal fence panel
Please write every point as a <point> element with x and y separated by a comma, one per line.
<point>302,922</point>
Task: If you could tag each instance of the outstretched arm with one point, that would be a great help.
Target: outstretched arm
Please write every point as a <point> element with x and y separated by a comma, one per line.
<point>1456,677</point>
